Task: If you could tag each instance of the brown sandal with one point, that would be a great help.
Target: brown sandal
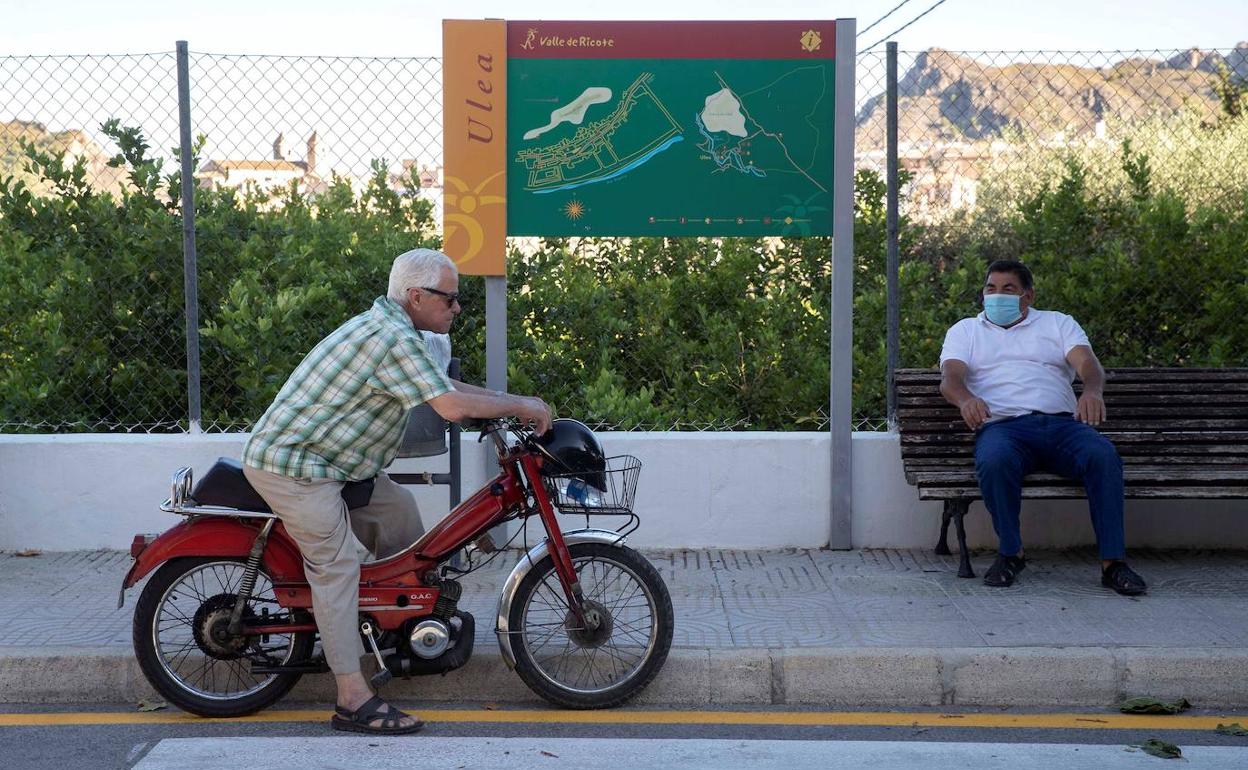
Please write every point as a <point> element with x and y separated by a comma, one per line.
<point>360,720</point>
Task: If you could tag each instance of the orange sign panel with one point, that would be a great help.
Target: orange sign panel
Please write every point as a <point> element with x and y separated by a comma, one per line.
<point>474,109</point>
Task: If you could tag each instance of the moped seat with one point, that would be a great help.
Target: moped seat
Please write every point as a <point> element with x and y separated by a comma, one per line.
<point>225,485</point>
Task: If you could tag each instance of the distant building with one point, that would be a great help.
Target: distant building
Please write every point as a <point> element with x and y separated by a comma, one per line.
<point>268,174</point>
<point>431,184</point>
<point>428,174</point>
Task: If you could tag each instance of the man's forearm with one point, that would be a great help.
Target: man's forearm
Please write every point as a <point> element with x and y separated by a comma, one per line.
<point>954,389</point>
<point>1093,375</point>
<point>465,387</point>
<point>477,403</point>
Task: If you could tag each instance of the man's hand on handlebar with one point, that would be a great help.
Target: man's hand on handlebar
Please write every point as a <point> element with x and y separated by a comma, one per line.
<point>535,414</point>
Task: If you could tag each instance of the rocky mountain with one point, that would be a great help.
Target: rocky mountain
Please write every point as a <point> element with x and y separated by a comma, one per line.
<point>946,97</point>
<point>70,145</point>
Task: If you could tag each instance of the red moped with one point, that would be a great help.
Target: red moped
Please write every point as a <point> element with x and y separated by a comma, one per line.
<point>225,625</point>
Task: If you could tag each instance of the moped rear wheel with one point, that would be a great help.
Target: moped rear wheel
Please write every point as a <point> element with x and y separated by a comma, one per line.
<point>184,648</point>
<point>574,666</point>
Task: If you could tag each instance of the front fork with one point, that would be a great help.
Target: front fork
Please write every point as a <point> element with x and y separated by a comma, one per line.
<point>559,553</point>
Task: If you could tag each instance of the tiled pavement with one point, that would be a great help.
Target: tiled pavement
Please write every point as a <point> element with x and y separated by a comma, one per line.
<point>768,599</point>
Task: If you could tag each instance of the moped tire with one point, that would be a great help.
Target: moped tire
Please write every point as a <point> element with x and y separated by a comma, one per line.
<point>173,643</point>
<point>576,667</point>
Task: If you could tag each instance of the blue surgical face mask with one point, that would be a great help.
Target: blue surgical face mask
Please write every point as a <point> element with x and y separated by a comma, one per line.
<point>1002,309</point>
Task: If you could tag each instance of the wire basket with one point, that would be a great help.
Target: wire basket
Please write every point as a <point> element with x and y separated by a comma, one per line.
<point>571,494</point>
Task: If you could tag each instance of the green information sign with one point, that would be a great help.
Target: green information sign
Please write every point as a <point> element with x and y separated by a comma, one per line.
<point>670,128</point>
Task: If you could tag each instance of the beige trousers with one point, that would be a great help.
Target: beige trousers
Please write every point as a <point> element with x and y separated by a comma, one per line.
<point>315,515</point>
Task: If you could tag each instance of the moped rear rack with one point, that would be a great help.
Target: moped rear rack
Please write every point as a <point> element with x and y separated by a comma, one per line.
<point>181,502</point>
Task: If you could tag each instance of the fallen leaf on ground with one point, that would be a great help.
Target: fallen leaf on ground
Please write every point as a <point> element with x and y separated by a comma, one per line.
<point>1146,705</point>
<point>29,552</point>
<point>490,706</point>
<point>1235,728</point>
<point>153,705</point>
<point>1085,719</point>
<point>1160,748</point>
<point>548,754</point>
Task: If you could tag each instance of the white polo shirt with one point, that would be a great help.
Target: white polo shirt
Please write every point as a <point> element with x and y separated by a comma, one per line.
<point>1021,369</point>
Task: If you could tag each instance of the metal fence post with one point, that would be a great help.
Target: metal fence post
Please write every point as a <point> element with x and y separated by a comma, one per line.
<point>190,268</point>
<point>841,399</point>
<point>894,309</point>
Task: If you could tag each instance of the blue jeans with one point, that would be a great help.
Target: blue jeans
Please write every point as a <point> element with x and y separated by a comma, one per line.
<point>1008,450</point>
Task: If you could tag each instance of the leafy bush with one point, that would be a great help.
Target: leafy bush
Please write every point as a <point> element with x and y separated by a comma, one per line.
<point>635,333</point>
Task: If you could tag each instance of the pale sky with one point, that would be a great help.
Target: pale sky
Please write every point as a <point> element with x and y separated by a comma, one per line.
<point>412,28</point>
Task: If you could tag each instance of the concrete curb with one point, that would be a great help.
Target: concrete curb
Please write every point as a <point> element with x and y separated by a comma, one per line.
<point>878,677</point>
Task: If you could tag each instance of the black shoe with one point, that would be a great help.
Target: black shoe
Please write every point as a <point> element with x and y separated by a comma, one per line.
<point>1004,570</point>
<point>1123,579</point>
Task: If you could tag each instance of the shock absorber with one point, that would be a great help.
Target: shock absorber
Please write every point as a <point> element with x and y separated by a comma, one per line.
<point>250,573</point>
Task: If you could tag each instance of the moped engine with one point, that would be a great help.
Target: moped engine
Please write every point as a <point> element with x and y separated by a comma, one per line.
<point>435,647</point>
<point>430,638</point>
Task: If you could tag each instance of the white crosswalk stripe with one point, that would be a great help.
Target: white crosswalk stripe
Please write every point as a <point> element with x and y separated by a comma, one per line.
<point>355,752</point>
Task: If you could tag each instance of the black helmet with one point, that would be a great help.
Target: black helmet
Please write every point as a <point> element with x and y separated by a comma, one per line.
<point>572,451</point>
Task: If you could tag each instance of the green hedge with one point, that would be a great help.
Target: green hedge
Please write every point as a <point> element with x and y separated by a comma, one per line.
<point>635,333</point>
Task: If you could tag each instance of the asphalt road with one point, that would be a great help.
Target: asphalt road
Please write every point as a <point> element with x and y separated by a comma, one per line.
<point>62,737</point>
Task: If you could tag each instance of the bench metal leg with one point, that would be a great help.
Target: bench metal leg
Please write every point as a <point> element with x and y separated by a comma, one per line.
<point>942,544</point>
<point>955,510</point>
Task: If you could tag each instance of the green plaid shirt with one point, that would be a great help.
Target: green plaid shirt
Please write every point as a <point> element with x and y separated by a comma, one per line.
<point>342,412</point>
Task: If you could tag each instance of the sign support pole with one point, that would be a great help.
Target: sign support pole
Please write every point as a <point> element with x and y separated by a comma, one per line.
<point>840,416</point>
<point>496,332</point>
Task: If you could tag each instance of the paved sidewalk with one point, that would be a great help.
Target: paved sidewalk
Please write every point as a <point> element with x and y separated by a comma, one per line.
<point>873,628</point>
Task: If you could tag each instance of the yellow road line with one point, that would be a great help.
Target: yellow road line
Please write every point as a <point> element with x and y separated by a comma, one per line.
<point>770,718</point>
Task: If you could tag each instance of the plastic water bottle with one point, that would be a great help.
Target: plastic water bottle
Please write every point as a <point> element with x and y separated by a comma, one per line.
<point>578,490</point>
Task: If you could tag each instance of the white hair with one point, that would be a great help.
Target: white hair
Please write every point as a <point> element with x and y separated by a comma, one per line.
<point>418,268</point>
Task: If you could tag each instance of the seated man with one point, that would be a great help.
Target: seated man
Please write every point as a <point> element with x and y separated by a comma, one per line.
<point>340,417</point>
<point>1009,370</point>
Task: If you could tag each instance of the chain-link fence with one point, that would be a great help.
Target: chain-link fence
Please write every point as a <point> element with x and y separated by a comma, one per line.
<point>91,313</point>
<point>312,173</point>
<point>1116,175</point>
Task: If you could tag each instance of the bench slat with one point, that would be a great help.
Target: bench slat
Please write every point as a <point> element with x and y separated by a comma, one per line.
<point>1115,410</point>
<point>1234,438</point>
<point>1155,424</point>
<point>1111,398</point>
<point>1113,374</point>
<point>1135,452</point>
<point>929,388</point>
<point>1172,493</point>
<point>960,461</point>
<point>1143,474</point>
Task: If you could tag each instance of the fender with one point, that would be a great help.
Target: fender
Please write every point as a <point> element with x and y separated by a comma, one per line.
<point>218,536</point>
<point>526,565</point>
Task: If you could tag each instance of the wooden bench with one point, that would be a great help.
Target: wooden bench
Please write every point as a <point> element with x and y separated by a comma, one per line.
<point>1181,433</point>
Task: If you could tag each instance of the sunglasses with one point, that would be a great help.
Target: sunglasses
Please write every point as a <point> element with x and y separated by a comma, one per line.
<point>451,299</point>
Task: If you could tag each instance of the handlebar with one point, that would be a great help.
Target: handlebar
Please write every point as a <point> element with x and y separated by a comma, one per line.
<point>497,429</point>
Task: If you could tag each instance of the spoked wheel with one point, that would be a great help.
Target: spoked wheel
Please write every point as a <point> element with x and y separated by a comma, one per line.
<point>608,660</point>
<point>182,639</point>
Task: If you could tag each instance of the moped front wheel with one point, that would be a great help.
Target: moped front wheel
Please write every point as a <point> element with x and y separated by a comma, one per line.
<point>182,642</point>
<point>602,665</point>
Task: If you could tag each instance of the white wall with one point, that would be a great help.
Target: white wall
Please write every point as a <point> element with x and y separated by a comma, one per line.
<point>697,490</point>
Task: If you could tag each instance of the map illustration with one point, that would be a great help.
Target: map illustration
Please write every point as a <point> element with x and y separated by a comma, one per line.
<point>670,147</point>
<point>637,129</point>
